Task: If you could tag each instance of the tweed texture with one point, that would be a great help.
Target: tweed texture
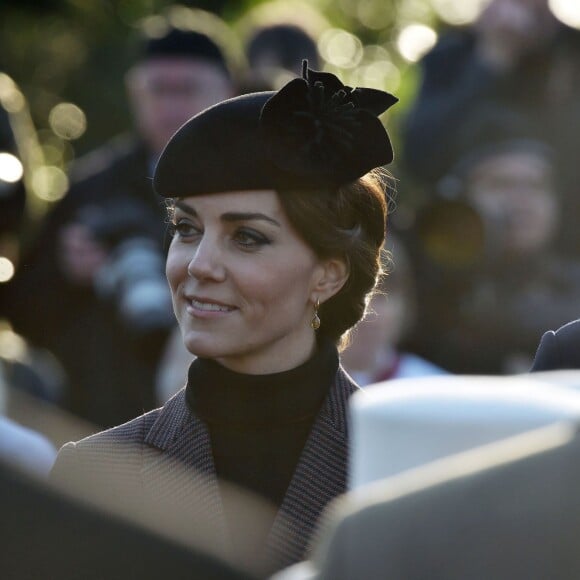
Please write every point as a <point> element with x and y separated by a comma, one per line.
<point>164,458</point>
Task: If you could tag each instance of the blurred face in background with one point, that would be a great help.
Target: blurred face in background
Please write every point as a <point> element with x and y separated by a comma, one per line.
<point>525,25</point>
<point>166,91</point>
<point>389,316</point>
<point>515,194</point>
<point>380,331</point>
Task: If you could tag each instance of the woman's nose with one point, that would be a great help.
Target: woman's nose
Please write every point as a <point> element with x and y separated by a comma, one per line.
<point>207,263</point>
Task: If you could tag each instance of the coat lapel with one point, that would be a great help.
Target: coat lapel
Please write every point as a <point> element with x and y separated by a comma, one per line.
<point>178,468</point>
<point>320,476</point>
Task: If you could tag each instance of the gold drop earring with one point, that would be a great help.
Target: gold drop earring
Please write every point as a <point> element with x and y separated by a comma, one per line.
<point>315,322</point>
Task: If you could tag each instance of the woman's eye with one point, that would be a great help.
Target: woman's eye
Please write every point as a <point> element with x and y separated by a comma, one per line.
<point>250,239</point>
<point>184,229</point>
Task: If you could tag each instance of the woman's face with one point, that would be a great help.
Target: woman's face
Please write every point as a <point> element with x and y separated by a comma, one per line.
<point>243,282</point>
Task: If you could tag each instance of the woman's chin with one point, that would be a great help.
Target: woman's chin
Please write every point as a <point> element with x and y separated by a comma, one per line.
<point>201,347</point>
<point>201,352</point>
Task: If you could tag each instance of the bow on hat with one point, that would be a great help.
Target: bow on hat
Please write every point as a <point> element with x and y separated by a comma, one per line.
<point>316,125</point>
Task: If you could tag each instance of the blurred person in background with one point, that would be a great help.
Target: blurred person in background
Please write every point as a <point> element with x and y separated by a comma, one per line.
<point>278,214</point>
<point>12,204</point>
<point>517,55</point>
<point>374,353</point>
<point>92,290</point>
<point>172,370</point>
<point>487,314</point>
<point>12,192</point>
<point>20,446</point>
<point>275,53</point>
<point>23,370</point>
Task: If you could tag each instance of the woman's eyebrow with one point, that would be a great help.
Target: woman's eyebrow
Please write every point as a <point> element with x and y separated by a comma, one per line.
<point>185,208</point>
<point>231,216</point>
<point>247,216</point>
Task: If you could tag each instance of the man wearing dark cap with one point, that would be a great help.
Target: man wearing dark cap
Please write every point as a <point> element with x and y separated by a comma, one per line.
<point>179,75</point>
<point>93,289</point>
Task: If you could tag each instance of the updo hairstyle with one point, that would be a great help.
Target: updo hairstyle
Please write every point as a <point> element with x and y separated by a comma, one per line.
<point>347,223</point>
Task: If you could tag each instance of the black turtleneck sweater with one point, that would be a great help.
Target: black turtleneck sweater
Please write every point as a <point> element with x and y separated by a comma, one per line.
<point>259,424</point>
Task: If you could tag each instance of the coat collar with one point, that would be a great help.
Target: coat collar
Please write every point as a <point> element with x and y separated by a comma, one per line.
<point>320,476</point>
<point>178,466</point>
<point>179,437</point>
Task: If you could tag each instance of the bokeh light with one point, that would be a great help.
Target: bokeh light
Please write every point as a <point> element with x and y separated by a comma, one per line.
<point>56,151</point>
<point>11,169</point>
<point>374,15</point>
<point>340,48</point>
<point>154,26</point>
<point>6,270</point>
<point>567,11</point>
<point>377,69</point>
<point>415,40</point>
<point>10,97</point>
<point>411,11</point>
<point>381,75</point>
<point>49,183</point>
<point>459,12</point>
<point>12,346</point>
<point>67,121</point>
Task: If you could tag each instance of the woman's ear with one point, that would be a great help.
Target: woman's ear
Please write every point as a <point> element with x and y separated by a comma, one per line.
<point>332,277</point>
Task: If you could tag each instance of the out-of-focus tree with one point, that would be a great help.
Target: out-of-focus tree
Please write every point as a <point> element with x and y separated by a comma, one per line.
<point>68,57</point>
<point>66,60</point>
<point>75,51</point>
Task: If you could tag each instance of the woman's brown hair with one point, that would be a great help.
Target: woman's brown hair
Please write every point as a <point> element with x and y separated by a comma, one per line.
<point>347,223</point>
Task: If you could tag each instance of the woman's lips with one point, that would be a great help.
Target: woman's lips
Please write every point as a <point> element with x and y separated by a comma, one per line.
<point>206,308</point>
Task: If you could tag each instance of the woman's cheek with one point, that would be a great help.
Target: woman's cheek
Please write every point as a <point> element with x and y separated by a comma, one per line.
<point>173,269</point>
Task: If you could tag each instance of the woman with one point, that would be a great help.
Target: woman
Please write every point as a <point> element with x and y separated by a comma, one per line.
<point>278,229</point>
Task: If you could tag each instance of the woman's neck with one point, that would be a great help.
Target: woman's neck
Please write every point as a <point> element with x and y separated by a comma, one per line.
<point>276,359</point>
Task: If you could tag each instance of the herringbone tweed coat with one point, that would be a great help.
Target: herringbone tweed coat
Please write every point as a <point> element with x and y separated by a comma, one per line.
<point>142,458</point>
